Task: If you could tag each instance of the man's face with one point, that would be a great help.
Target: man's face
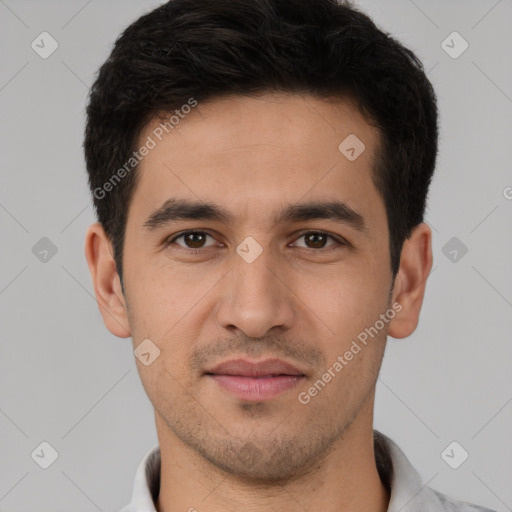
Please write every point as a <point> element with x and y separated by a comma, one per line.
<point>300,290</point>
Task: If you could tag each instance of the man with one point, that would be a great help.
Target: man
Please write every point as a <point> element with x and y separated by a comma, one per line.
<point>260,173</point>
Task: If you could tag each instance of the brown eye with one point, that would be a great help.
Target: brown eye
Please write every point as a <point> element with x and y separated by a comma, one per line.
<point>317,240</point>
<point>191,239</point>
<point>194,239</point>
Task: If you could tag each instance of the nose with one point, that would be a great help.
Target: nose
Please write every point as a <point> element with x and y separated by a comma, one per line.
<point>256,297</point>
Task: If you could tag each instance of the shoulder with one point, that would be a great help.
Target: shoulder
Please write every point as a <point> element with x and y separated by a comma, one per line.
<point>408,493</point>
<point>448,504</point>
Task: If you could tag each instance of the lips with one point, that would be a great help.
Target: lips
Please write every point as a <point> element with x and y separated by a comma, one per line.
<point>255,382</point>
<point>244,368</point>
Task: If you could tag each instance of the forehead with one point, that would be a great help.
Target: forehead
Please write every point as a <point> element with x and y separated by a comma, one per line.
<point>252,152</point>
<point>277,119</point>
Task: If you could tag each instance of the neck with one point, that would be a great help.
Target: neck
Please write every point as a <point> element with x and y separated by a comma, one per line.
<point>344,479</point>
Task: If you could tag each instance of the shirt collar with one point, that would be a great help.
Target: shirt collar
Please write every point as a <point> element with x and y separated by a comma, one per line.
<point>408,494</point>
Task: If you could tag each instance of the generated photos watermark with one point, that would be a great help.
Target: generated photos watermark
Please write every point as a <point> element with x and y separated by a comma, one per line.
<point>305,397</point>
<point>149,144</point>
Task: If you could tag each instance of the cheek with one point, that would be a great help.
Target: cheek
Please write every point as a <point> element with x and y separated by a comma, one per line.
<point>162,382</point>
<point>157,299</point>
<point>347,301</point>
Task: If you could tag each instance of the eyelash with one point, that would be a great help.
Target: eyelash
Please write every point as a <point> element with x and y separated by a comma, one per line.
<point>339,241</point>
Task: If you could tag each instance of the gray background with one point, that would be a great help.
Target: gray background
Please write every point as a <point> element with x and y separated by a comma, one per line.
<point>66,380</point>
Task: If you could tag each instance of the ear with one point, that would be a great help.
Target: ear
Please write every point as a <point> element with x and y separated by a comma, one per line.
<point>411,280</point>
<point>107,285</point>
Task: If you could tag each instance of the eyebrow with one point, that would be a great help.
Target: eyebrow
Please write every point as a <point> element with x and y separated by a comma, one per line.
<point>183,209</point>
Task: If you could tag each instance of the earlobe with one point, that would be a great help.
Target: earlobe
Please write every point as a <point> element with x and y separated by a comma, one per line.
<point>410,281</point>
<point>107,286</point>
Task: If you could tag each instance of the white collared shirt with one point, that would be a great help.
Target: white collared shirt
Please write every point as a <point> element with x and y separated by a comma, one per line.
<point>408,493</point>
